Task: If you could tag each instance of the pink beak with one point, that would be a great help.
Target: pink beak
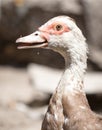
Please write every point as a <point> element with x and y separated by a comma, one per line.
<point>34,40</point>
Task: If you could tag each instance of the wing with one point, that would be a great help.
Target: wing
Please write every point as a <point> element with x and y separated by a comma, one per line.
<point>54,118</point>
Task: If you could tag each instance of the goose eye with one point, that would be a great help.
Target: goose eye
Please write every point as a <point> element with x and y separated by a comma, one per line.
<point>58,27</point>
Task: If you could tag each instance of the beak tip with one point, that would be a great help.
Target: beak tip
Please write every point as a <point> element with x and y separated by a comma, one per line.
<point>17,41</point>
<point>20,40</point>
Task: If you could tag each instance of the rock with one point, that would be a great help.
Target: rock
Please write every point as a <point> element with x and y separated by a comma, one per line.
<point>46,79</point>
<point>14,86</point>
<point>42,77</point>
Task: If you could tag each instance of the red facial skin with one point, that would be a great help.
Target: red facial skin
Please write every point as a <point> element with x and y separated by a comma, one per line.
<point>52,29</point>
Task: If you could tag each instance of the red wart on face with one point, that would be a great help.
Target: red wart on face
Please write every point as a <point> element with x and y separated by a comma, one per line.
<point>56,28</point>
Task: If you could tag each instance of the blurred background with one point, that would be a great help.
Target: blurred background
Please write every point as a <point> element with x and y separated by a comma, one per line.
<point>29,77</point>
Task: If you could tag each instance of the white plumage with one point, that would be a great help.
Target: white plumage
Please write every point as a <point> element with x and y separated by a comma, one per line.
<point>68,108</point>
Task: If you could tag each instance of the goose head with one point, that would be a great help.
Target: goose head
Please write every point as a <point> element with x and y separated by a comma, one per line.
<point>60,34</point>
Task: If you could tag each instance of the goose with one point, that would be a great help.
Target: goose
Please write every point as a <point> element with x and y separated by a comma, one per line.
<point>68,107</point>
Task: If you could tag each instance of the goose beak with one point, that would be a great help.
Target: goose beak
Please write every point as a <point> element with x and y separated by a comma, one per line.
<point>34,40</point>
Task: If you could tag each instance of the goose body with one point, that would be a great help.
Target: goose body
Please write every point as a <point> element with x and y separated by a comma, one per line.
<point>68,107</point>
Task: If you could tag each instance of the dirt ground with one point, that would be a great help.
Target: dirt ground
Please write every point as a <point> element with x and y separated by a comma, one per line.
<point>15,92</point>
<point>15,120</point>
